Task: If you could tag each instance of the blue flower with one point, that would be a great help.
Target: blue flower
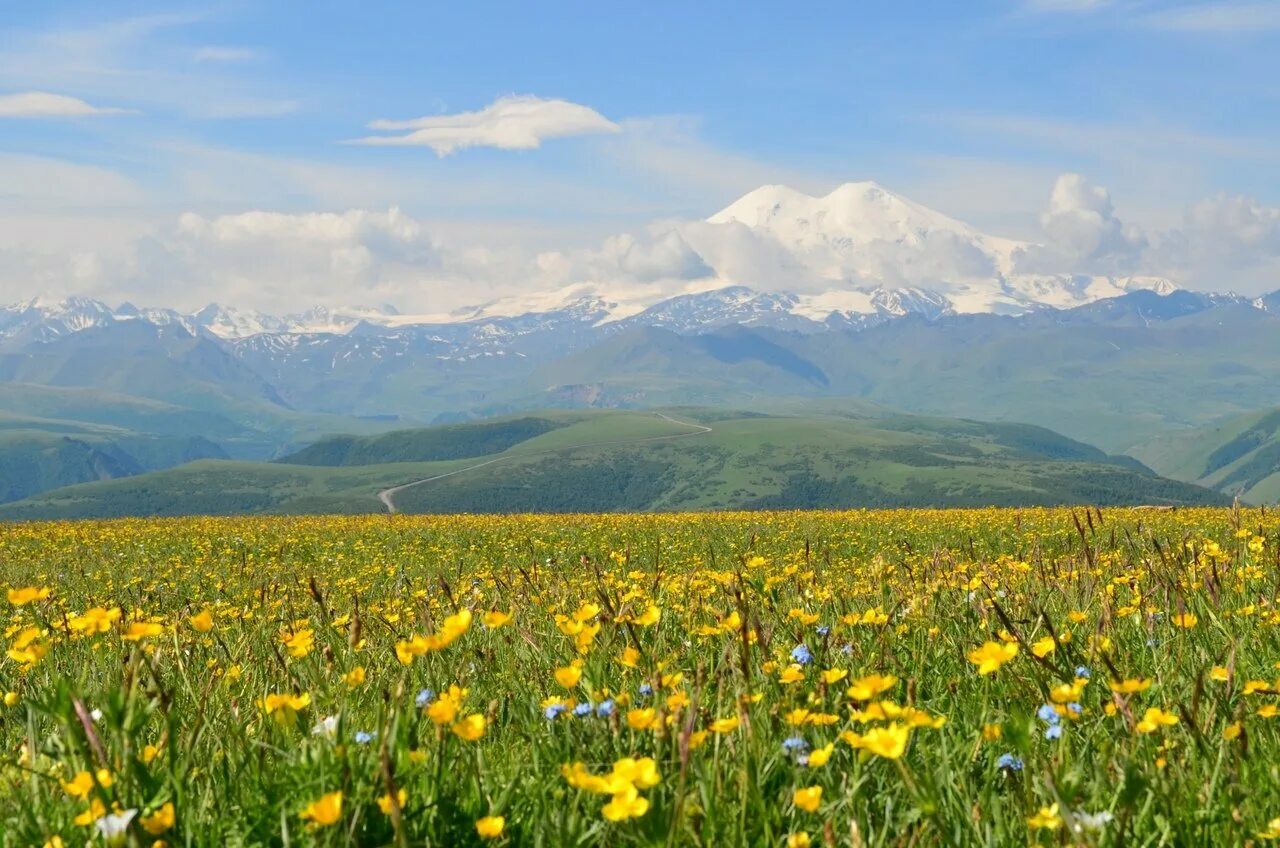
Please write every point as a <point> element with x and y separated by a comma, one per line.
<point>1053,731</point>
<point>645,690</point>
<point>1082,672</point>
<point>823,630</point>
<point>800,654</point>
<point>364,737</point>
<point>552,712</point>
<point>793,744</point>
<point>802,760</point>
<point>605,709</point>
<point>424,697</point>
<point>1009,762</point>
<point>847,649</point>
<point>1048,714</point>
<point>583,709</point>
<point>1075,708</point>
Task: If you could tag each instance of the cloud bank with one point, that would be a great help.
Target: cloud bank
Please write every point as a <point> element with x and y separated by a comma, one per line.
<point>44,104</point>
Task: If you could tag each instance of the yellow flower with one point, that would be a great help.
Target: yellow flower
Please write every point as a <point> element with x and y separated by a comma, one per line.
<point>1232,731</point>
<point>490,827</point>
<point>629,657</point>
<point>641,718</point>
<point>808,799</point>
<point>568,676</point>
<point>385,801</point>
<point>866,688</point>
<point>819,756</point>
<point>1130,686</point>
<point>79,786</point>
<point>11,699</point>
<point>138,630</point>
<point>1155,718</point>
<point>95,811</point>
<point>1272,831</point>
<point>159,821</point>
<point>1046,819</point>
<point>201,622</point>
<point>1185,619</point>
<point>28,594</point>
<point>149,753</point>
<point>992,655</point>
<point>1043,647</point>
<point>470,728</point>
<point>791,674</point>
<point>96,620</point>
<point>494,619</point>
<point>992,732</point>
<point>624,805</point>
<point>285,708</point>
<point>834,675</point>
<point>299,642</point>
<point>798,840</point>
<point>724,725</point>
<point>649,617</point>
<point>325,811</point>
<point>889,741</point>
<point>1219,674</point>
<point>355,677</point>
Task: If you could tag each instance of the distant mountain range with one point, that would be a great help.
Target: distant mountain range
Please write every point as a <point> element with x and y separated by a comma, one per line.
<point>892,304</point>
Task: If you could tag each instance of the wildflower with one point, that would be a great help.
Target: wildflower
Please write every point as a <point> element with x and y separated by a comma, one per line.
<point>423,698</point>
<point>1155,718</point>
<point>868,687</point>
<point>649,617</point>
<point>364,737</point>
<point>159,821</point>
<point>138,630</point>
<point>552,711</point>
<point>79,786</point>
<point>641,718</point>
<point>1232,731</point>
<point>1081,821</point>
<point>798,840</point>
<point>991,655</point>
<point>94,621</point>
<point>490,827</point>
<point>28,594</point>
<point>625,805</point>
<point>1046,819</point>
<point>1009,762</point>
<point>605,708</point>
<point>792,744</point>
<point>201,622</point>
<point>1082,672</point>
<point>889,742</point>
<point>355,677</point>
<point>992,732</point>
<point>114,826</point>
<point>1043,647</point>
<point>1130,686</point>
<point>568,676</point>
<point>724,725</point>
<point>820,756</point>
<point>324,811</point>
<point>834,675</point>
<point>1185,620</point>
<point>629,657</point>
<point>791,674</point>
<point>808,799</point>
<point>327,727</point>
<point>285,708</point>
<point>386,805</point>
<point>494,619</point>
<point>1048,714</point>
<point>800,654</point>
<point>1219,674</point>
<point>470,728</point>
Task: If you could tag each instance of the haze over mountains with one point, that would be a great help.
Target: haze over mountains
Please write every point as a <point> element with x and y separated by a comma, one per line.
<point>790,303</point>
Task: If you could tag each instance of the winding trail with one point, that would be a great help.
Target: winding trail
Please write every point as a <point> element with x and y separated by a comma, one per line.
<point>387,496</point>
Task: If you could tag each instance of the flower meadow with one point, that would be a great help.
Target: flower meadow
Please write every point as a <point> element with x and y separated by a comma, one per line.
<point>864,678</point>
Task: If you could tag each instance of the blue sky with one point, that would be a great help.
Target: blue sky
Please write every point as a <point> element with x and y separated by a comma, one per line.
<point>972,108</point>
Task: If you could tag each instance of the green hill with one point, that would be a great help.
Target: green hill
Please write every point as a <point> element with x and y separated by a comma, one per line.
<point>1238,455</point>
<point>603,460</point>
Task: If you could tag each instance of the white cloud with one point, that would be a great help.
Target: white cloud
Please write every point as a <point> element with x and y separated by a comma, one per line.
<point>1217,18</point>
<point>1066,5</point>
<point>44,104</point>
<point>220,53</point>
<point>515,122</point>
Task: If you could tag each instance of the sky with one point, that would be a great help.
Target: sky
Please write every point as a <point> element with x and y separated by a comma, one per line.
<point>280,154</point>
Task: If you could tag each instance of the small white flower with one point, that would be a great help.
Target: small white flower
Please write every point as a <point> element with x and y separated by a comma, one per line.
<point>96,715</point>
<point>113,826</point>
<point>1090,821</point>
<point>327,726</point>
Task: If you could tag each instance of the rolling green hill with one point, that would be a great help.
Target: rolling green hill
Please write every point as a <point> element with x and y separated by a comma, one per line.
<point>1238,455</point>
<point>620,460</point>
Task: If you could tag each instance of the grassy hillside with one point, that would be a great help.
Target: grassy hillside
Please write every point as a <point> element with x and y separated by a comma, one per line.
<point>616,460</point>
<point>1238,455</point>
